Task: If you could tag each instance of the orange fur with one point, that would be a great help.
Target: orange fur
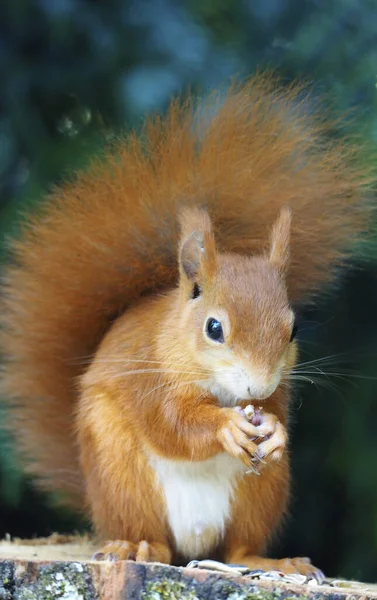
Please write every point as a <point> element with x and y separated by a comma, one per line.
<point>120,420</point>
<point>110,237</point>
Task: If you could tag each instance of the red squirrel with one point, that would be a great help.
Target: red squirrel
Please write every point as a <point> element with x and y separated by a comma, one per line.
<point>150,301</point>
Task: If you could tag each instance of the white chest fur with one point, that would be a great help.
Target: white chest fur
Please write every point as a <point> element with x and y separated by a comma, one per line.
<point>198,499</point>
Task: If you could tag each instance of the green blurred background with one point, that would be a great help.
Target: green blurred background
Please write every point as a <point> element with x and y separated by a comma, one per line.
<point>76,72</point>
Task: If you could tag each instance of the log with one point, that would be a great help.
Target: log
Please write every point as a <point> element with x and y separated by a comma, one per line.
<point>56,568</point>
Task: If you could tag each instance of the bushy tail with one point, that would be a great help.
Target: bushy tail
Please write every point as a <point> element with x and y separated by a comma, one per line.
<point>111,235</point>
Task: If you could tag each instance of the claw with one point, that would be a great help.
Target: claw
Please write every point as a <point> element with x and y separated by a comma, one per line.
<point>98,556</point>
<point>258,458</point>
<point>111,557</point>
<point>252,469</point>
<point>319,576</point>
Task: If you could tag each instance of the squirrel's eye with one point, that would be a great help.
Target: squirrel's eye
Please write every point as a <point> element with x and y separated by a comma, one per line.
<point>294,332</point>
<point>214,330</point>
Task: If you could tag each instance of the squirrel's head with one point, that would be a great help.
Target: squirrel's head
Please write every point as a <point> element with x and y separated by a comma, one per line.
<point>236,310</point>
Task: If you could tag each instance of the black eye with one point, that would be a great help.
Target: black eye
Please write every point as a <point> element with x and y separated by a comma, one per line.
<point>294,332</point>
<point>214,330</point>
<point>195,291</point>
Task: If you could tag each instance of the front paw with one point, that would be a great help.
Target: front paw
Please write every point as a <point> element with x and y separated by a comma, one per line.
<point>236,436</point>
<point>274,434</point>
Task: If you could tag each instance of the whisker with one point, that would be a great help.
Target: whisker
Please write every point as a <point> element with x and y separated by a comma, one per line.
<point>295,377</point>
<point>142,361</point>
<point>341,375</point>
<point>176,386</point>
<point>159,371</point>
<point>322,359</point>
<point>134,360</point>
<point>336,359</point>
<point>324,383</point>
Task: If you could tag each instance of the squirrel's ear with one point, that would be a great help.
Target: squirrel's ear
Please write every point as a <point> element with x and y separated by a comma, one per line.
<point>280,239</point>
<point>197,252</point>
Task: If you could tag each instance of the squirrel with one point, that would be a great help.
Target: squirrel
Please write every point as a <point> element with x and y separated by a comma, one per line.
<point>151,301</point>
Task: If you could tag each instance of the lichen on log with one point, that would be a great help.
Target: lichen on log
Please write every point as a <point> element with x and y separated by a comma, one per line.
<point>65,571</point>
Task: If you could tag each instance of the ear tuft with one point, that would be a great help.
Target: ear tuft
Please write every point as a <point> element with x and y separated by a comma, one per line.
<point>280,240</point>
<point>197,255</point>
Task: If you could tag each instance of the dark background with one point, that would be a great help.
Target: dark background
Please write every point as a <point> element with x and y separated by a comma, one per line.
<point>74,72</point>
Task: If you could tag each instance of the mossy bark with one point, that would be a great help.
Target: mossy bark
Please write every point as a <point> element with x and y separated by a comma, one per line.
<point>27,574</point>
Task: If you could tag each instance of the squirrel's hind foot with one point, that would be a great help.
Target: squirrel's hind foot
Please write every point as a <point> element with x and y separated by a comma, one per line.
<point>141,552</point>
<point>287,566</point>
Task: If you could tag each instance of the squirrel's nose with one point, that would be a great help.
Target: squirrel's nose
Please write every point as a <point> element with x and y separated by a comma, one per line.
<point>263,389</point>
